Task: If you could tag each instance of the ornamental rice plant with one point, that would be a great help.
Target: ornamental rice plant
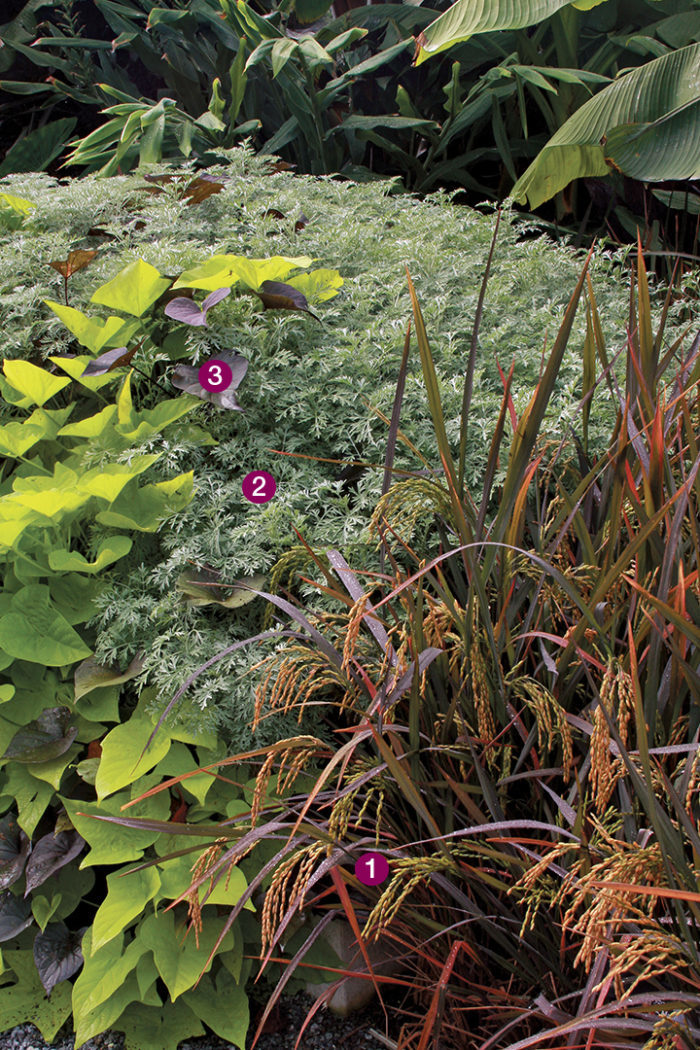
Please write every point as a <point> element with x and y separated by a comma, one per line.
<point>517,713</point>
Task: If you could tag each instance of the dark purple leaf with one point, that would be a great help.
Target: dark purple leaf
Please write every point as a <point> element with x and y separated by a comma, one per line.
<point>49,854</point>
<point>186,378</point>
<point>57,954</point>
<point>278,296</point>
<point>108,361</point>
<point>301,222</point>
<point>15,915</point>
<point>97,231</point>
<point>14,847</point>
<point>43,739</point>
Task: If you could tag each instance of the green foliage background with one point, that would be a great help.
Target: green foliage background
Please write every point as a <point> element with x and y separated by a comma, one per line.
<point>305,386</point>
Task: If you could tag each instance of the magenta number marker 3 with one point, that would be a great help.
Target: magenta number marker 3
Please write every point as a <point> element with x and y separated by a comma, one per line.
<point>371,869</point>
<point>215,375</point>
<point>259,486</point>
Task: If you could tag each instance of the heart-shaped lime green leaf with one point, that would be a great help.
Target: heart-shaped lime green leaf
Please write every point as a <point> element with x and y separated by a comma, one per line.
<point>17,204</point>
<point>225,1007</point>
<point>112,843</point>
<point>109,551</point>
<point>93,332</point>
<point>92,426</point>
<point>13,211</point>
<point>317,286</point>
<point>108,481</point>
<point>121,748</point>
<point>14,519</point>
<point>145,508</point>
<point>223,271</point>
<point>133,290</point>
<point>17,438</point>
<point>35,631</point>
<point>126,899</point>
<point>176,876</point>
<point>33,382</point>
<point>51,496</point>
<point>177,957</point>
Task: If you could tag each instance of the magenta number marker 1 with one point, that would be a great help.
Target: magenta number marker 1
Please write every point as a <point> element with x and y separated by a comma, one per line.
<point>259,486</point>
<point>371,869</point>
<point>215,375</point>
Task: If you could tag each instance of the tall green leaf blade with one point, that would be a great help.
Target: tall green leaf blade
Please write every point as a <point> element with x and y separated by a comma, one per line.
<point>468,17</point>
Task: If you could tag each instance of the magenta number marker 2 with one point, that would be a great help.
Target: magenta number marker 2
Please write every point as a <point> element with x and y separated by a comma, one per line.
<point>259,486</point>
<point>215,375</point>
<point>371,869</point>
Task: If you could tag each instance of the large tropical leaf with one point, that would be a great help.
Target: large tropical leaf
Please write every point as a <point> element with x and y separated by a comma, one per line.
<point>468,17</point>
<point>646,124</point>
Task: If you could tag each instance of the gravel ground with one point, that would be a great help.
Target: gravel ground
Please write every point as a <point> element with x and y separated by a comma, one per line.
<point>326,1032</point>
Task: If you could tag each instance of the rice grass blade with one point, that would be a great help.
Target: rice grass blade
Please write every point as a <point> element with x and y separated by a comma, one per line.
<point>355,590</point>
<point>493,453</point>
<point>608,579</point>
<point>396,412</point>
<point>531,420</point>
<point>469,378</point>
<point>648,357</point>
<point>433,392</point>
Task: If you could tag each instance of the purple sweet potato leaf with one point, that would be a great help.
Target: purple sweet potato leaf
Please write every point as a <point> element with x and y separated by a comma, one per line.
<point>186,378</point>
<point>110,360</point>
<point>215,297</point>
<point>187,311</point>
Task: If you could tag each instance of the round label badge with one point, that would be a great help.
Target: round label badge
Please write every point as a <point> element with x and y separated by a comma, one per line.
<point>371,869</point>
<point>259,486</point>
<point>215,375</point>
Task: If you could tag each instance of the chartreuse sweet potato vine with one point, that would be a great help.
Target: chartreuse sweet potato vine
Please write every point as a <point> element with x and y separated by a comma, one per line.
<point>65,749</point>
